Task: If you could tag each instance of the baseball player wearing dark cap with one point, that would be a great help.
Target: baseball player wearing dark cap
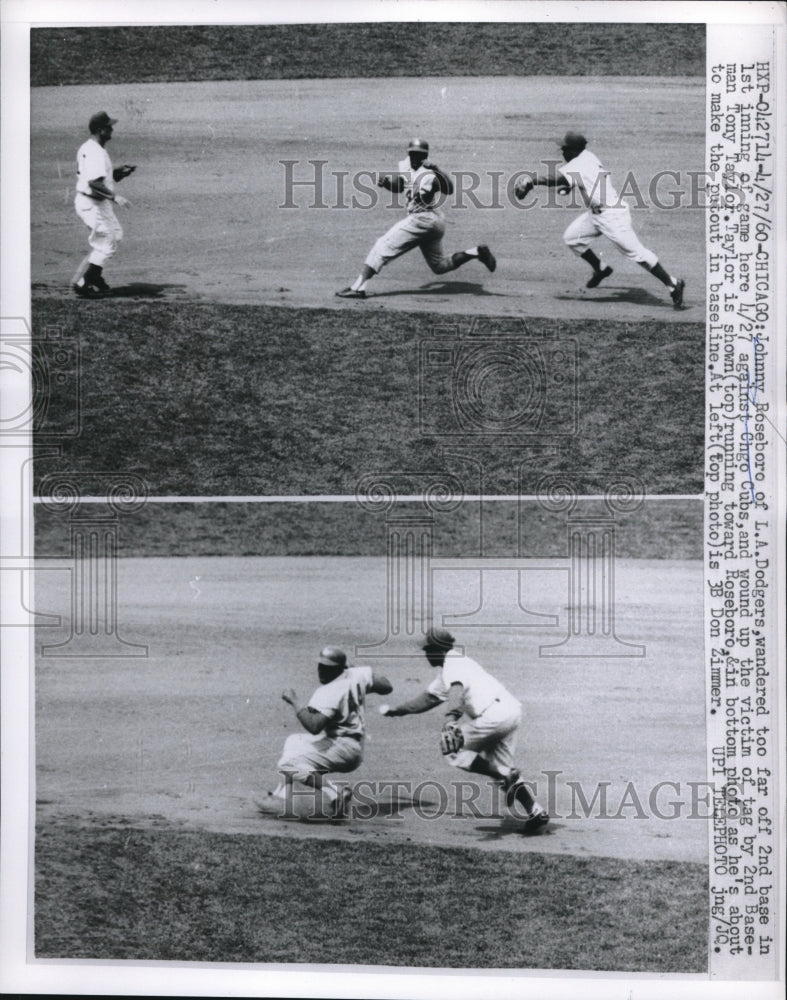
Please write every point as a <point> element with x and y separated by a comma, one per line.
<point>606,214</point>
<point>95,197</point>
<point>484,742</point>
<point>335,726</point>
<point>425,187</point>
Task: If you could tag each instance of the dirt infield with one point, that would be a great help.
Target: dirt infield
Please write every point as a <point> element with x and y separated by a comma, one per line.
<point>190,734</point>
<point>207,216</point>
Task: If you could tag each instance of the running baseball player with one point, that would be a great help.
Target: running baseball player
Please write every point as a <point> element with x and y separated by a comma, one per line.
<point>484,741</point>
<point>606,214</point>
<point>95,198</point>
<point>335,727</point>
<point>425,187</point>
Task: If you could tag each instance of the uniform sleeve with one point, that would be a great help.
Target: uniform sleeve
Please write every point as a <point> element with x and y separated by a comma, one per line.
<point>323,701</point>
<point>92,162</point>
<point>438,687</point>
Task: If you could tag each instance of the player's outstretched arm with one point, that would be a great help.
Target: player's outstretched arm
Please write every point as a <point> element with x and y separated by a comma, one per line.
<point>422,702</point>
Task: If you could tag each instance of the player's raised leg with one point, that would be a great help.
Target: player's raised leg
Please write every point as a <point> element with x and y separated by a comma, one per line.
<point>615,224</point>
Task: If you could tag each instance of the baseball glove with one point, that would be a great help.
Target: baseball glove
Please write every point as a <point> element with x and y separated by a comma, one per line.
<point>451,738</point>
<point>523,188</point>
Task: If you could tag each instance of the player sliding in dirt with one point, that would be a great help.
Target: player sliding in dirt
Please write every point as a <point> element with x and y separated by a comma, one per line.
<point>335,727</point>
<point>484,742</point>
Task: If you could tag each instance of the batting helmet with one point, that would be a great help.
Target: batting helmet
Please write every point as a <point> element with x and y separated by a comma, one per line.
<point>418,146</point>
<point>99,121</point>
<point>331,656</point>
<point>437,638</point>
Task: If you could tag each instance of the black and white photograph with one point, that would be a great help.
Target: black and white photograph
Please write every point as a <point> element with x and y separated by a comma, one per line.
<point>391,439</point>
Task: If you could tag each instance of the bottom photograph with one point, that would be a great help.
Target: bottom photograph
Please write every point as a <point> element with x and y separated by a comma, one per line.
<point>423,733</point>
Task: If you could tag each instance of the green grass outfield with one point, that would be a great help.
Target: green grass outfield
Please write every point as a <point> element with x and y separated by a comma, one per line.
<point>123,893</point>
<point>262,52</point>
<point>211,399</point>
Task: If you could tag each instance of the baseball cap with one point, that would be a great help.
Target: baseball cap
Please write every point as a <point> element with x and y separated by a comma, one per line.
<point>574,140</point>
<point>418,146</point>
<point>100,120</point>
<point>332,656</point>
<point>437,637</point>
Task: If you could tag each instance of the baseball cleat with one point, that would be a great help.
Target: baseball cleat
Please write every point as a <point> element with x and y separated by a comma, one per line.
<point>486,257</point>
<point>677,294</point>
<point>101,285</point>
<point>350,293</point>
<point>536,823</point>
<point>83,290</point>
<point>598,277</point>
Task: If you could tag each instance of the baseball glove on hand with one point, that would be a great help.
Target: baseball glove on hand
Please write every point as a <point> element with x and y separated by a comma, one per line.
<point>451,739</point>
<point>523,188</point>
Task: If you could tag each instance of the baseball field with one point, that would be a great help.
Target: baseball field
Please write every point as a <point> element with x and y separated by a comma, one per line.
<point>223,365</point>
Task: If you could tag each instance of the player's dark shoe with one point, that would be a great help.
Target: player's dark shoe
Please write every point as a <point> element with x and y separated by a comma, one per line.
<point>598,277</point>
<point>677,294</point>
<point>350,293</point>
<point>101,285</point>
<point>84,290</point>
<point>486,257</point>
<point>536,823</point>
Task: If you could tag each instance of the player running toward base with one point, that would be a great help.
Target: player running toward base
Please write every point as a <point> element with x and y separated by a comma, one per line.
<point>606,214</point>
<point>424,185</point>
<point>484,741</point>
<point>95,197</point>
<point>335,727</point>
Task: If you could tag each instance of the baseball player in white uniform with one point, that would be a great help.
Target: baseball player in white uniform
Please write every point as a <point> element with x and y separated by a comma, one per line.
<point>606,214</point>
<point>485,740</point>
<point>95,197</point>
<point>335,727</point>
<point>425,187</point>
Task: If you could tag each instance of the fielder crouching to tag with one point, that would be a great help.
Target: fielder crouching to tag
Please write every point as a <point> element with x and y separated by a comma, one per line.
<point>335,728</point>
<point>484,741</point>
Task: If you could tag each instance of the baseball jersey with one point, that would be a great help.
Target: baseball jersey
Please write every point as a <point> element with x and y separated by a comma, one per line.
<point>93,162</point>
<point>342,701</point>
<point>587,173</point>
<point>480,688</point>
<point>420,187</point>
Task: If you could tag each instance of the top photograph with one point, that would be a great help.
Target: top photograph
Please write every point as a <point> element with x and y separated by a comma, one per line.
<point>277,259</point>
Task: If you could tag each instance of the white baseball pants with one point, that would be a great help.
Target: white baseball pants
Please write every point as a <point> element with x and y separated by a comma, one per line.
<point>615,224</point>
<point>305,754</point>
<point>105,230</point>
<point>492,735</point>
<point>418,229</point>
